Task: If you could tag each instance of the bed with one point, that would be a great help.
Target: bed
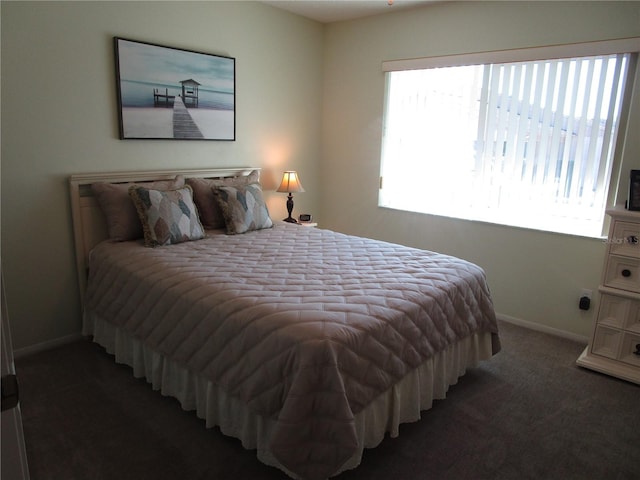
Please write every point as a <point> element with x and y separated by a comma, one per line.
<point>306,344</point>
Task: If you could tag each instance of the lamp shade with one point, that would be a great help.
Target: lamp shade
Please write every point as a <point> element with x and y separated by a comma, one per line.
<point>290,183</point>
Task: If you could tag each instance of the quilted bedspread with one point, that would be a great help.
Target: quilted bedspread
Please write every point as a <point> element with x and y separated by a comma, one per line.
<point>304,325</point>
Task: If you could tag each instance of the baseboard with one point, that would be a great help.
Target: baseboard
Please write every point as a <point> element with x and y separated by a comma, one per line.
<point>41,347</point>
<point>543,328</point>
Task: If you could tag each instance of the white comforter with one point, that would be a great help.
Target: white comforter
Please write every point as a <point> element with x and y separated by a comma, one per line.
<point>306,326</point>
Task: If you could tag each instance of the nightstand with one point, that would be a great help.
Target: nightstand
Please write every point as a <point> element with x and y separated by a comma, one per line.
<point>614,347</point>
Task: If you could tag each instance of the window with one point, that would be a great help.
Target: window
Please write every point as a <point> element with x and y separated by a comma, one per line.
<point>528,143</point>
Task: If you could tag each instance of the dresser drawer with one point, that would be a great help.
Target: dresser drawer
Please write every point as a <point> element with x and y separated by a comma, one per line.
<point>613,310</point>
<point>606,342</point>
<point>625,239</point>
<point>617,345</point>
<point>620,312</point>
<point>633,317</point>
<point>623,273</point>
<point>630,351</point>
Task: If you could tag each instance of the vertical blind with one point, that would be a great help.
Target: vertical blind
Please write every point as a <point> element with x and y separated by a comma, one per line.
<point>546,131</point>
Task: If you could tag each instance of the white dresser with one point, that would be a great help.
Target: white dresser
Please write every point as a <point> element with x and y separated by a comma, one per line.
<point>614,347</point>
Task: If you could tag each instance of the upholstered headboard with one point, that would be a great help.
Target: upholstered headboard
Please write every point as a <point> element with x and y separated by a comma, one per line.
<point>89,223</point>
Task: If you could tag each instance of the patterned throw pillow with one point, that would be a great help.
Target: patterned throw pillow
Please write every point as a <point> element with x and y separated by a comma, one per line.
<point>167,217</point>
<point>243,208</point>
<point>210,214</point>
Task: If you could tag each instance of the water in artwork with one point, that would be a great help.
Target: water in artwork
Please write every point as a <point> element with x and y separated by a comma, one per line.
<point>140,94</point>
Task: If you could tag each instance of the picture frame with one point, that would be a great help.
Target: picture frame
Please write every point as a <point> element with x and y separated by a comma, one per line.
<point>167,93</point>
<point>633,203</point>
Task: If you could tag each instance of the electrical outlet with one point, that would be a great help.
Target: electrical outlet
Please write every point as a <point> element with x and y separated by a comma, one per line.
<point>585,299</point>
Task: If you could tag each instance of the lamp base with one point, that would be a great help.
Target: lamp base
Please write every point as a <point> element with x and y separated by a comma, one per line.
<point>290,219</point>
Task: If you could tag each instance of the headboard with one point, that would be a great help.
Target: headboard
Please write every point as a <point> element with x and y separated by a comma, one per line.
<point>89,223</point>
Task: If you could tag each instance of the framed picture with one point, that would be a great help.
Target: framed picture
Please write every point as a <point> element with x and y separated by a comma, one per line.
<point>634,191</point>
<point>168,93</point>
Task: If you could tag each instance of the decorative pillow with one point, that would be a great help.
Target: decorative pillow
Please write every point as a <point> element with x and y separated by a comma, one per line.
<point>114,200</point>
<point>167,217</point>
<point>243,208</point>
<point>210,213</point>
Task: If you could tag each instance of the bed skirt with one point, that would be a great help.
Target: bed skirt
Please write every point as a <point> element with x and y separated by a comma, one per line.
<point>400,404</point>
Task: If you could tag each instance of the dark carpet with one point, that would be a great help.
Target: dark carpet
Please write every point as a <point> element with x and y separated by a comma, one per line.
<point>528,413</point>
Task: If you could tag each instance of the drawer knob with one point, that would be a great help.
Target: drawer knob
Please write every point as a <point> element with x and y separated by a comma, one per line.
<point>626,273</point>
<point>632,239</point>
<point>637,352</point>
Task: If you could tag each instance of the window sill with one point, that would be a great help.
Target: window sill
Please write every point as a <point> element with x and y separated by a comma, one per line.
<point>600,237</point>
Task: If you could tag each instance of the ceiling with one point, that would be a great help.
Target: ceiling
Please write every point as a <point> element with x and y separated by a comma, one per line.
<point>327,11</point>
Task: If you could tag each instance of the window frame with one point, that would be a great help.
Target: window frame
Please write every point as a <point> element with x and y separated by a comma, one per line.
<point>595,48</point>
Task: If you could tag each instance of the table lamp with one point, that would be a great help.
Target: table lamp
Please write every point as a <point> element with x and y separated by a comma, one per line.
<point>290,183</point>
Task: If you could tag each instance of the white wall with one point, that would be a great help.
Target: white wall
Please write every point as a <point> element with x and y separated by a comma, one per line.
<point>534,276</point>
<point>59,117</point>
